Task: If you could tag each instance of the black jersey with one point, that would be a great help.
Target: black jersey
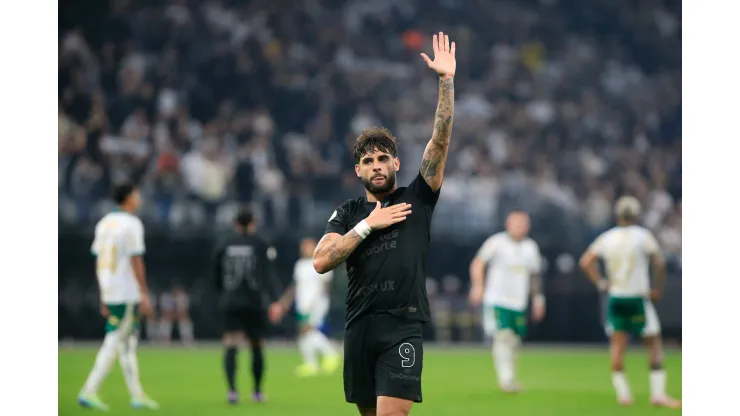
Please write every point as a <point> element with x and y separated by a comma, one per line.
<point>387,271</point>
<point>244,272</point>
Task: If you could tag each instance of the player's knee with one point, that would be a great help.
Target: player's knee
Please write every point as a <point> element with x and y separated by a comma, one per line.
<point>394,411</point>
<point>113,339</point>
<point>392,406</point>
<point>366,411</point>
<point>256,345</point>
<point>230,340</point>
<point>506,336</point>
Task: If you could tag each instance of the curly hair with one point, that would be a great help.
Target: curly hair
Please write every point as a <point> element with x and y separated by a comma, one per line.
<point>372,140</point>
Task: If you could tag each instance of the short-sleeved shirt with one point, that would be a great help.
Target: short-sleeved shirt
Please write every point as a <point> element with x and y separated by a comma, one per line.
<point>510,265</point>
<point>387,271</point>
<point>244,272</point>
<point>626,252</point>
<point>310,286</point>
<point>119,236</point>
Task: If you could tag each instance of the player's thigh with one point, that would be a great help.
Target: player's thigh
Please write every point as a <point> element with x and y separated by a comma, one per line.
<point>489,320</point>
<point>122,317</point>
<point>652,322</point>
<point>393,406</point>
<point>516,321</point>
<point>398,369</point>
<point>359,369</point>
<point>316,319</point>
<point>626,315</point>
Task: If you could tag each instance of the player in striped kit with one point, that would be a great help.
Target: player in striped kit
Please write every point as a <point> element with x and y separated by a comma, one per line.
<point>119,247</point>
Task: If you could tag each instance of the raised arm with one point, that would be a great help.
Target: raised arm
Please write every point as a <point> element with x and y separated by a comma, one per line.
<point>435,154</point>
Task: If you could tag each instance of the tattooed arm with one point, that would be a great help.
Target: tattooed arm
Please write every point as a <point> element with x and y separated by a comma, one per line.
<point>435,154</point>
<point>333,249</point>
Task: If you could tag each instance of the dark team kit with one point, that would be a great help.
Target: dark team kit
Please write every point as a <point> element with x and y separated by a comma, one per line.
<point>387,300</point>
<point>244,275</point>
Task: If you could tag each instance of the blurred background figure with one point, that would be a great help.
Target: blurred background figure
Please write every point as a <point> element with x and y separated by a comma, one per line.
<point>175,310</point>
<point>311,292</point>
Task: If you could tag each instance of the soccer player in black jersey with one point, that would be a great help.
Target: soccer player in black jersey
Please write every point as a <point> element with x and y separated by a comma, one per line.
<point>384,238</point>
<point>248,287</point>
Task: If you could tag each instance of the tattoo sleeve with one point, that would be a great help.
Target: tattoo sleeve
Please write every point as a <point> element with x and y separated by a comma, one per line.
<point>334,249</point>
<point>435,154</point>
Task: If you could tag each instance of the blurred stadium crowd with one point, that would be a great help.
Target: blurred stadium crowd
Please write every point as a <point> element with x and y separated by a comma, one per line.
<point>562,105</point>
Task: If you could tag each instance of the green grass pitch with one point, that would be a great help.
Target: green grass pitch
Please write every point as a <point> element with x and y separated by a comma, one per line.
<point>456,382</point>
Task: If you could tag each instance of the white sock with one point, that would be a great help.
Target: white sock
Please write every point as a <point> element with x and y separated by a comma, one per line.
<point>103,362</point>
<point>657,384</point>
<point>165,330</point>
<point>321,343</point>
<point>504,345</point>
<point>130,365</point>
<point>621,385</point>
<point>307,351</point>
<point>186,330</point>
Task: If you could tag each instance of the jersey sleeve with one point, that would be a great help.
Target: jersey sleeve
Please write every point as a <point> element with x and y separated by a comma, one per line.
<point>423,191</point>
<point>136,239</point>
<point>535,259</point>
<point>339,220</point>
<point>598,246</point>
<point>95,247</point>
<point>488,249</point>
<point>651,244</point>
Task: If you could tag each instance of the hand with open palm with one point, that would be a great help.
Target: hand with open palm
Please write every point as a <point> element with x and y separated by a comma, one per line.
<point>444,63</point>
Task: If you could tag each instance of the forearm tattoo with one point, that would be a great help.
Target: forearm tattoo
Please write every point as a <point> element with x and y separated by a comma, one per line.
<point>338,248</point>
<point>435,153</point>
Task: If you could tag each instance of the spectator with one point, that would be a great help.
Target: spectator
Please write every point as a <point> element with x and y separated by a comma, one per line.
<point>559,110</point>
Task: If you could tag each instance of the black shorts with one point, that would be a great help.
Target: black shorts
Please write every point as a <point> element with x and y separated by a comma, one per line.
<point>383,356</point>
<point>253,322</point>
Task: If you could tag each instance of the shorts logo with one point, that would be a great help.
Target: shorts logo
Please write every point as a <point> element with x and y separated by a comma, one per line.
<point>408,355</point>
<point>334,215</point>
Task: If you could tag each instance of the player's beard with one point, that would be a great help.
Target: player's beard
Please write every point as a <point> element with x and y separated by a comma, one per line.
<point>390,182</point>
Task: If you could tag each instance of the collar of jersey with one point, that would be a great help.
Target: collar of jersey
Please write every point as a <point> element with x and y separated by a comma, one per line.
<point>390,195</point>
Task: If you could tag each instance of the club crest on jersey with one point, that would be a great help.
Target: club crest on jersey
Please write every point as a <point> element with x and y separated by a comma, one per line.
<point>333,215</point>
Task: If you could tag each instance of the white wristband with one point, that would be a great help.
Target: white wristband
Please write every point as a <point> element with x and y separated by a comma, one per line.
<point>362,229</point>
<point>603,285</point>
<point>539,300</point>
